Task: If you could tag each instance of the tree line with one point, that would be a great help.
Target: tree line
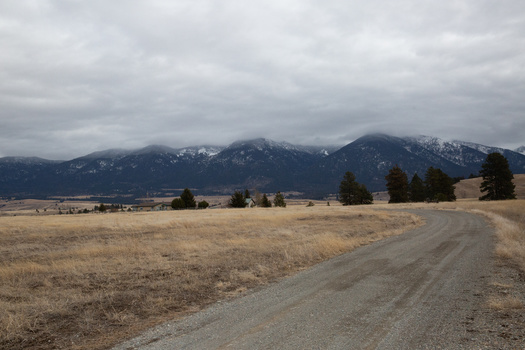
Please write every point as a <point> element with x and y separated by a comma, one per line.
<point>238,200</point>
<point>436,187</point>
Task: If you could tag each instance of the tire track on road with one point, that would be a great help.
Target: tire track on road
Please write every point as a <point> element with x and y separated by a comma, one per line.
<point>410,291</point>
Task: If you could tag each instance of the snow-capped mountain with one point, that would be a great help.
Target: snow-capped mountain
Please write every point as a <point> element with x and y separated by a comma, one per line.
<point>520,150</point>
<point>264,164</point>
<point>371,156</point>
<point>457,152</point>
<point>260,163</point>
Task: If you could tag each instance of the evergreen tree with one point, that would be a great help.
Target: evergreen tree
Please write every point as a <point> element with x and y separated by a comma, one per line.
<point>397,185</point>
<point>497,178</point>
<point>416,189</point>
<point>439,186</point>
<point>188,198</point>
<point>364,196</point>
<point>348,189</point>
<point>247,194</point>
<point>178,204</point>
<point>102,208</point>
<point>237,200</point>
<point>352,193</point>
<point>265,202</point>
<point>278,201</point>
<point>203,205</point>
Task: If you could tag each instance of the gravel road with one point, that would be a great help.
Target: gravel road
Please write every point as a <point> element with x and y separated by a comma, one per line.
<point>419,290</point>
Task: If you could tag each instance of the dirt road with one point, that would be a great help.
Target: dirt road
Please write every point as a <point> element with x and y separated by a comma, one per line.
<point>414,291</point>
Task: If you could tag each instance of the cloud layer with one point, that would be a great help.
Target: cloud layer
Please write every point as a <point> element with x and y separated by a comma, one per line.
<point>77,76</point>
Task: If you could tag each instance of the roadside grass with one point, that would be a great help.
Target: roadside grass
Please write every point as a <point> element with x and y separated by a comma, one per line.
<point>507,302</point>
<point>508,217</point>
<point>89,281</point>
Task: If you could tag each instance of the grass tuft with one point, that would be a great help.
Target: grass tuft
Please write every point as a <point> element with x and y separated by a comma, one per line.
<point>505,303</point>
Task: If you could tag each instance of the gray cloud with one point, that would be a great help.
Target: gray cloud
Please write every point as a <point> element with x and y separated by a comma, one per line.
<point>77,77</point>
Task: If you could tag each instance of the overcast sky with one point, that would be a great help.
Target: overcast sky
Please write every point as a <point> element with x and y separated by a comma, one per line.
<point>82,76</point>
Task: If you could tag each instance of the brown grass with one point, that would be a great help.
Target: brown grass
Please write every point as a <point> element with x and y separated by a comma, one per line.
<point>469,188</point>
<point>504,303</point>
<point>88,281</point>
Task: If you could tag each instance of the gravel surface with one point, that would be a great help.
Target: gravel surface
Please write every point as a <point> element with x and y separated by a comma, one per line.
<point>425,289</point>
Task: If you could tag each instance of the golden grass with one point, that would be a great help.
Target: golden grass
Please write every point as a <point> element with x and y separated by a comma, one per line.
<point>503,303</point>
<point>469,188</point>
<point>88,281</point>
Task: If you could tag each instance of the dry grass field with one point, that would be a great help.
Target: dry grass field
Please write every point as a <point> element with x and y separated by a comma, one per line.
<point>469,188</point>
<point>88,281</point>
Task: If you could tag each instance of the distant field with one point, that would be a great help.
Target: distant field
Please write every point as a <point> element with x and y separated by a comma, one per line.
<point>30,206</point>
<point>86,281</point>
<point>53,207</point>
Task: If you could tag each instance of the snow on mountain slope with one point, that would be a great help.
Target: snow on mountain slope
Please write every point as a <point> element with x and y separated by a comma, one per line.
<point>457,152</point>
<point>260,163</point>
<point>520,150</point>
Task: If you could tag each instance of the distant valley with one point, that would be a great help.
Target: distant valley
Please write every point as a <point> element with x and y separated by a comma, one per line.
<point>261,164</point>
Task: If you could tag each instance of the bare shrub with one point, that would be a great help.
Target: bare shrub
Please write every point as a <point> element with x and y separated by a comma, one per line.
<point>503,303</point>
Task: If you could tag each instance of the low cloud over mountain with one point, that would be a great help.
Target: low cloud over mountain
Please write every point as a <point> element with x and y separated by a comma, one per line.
<point>263,164</point>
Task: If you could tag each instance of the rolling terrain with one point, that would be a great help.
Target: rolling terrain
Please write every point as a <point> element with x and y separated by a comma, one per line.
<point>469,188</point>
<point>260,164</point>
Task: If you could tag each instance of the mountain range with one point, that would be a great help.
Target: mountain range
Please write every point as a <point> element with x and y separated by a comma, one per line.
<point>260,164</point>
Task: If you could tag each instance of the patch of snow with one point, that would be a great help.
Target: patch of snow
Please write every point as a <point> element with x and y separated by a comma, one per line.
<point>481,148</point>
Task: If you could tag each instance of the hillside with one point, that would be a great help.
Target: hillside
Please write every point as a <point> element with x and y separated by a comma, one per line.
<point>262,164</point>
<point>469,188</point>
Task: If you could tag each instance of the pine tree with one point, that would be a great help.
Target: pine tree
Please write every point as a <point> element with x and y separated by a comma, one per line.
<point>397,185</point>
<point>203,205</point>
<point>188,198</point>
<point>278,201</point>
<point>265,202</point>
<point>497,178</point>
<point>348,189</point>
<point>439,186</point>
<point>178,204</point>
<point>364,196</point>
<point>352,193</point>
<point>247,194</point>
<point>237,200</point>
<point>416,189</point>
